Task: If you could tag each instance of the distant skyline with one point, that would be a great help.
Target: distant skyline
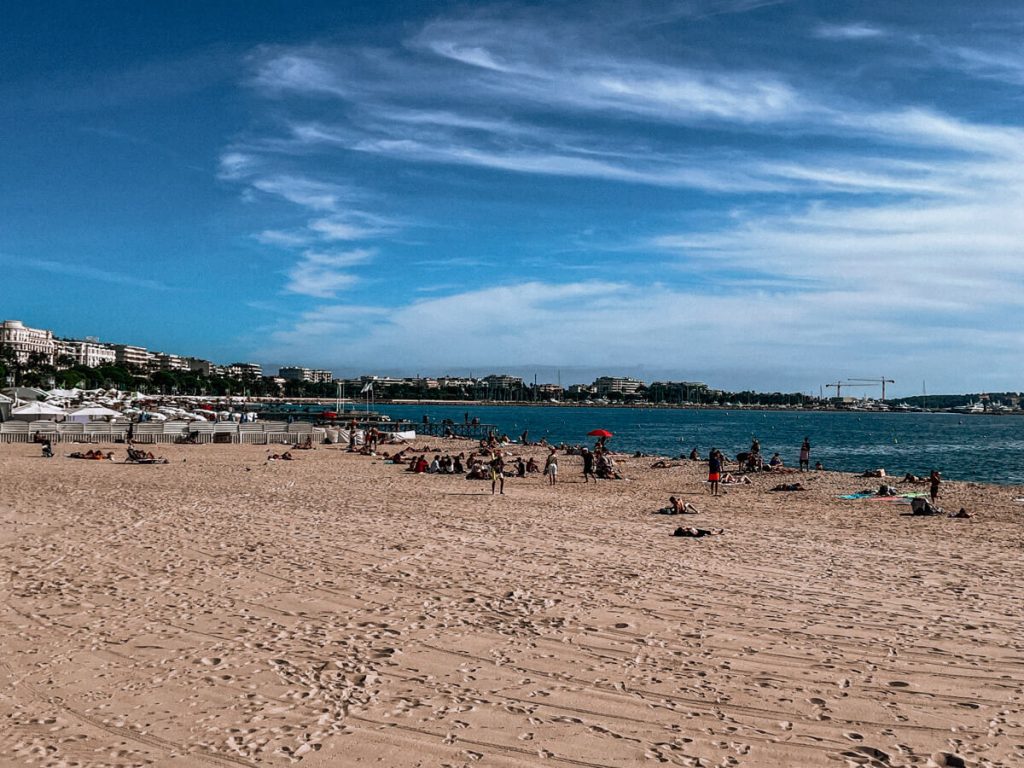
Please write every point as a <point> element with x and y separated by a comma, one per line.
<point>755,194</point>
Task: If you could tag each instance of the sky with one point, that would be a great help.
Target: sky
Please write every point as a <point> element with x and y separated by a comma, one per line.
<point>756,194</point>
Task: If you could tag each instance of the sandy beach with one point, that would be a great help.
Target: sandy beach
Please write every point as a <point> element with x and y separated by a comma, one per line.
<point>221,610</point>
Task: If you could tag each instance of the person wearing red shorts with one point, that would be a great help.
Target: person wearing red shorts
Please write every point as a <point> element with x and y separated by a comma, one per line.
<point>714,470</point>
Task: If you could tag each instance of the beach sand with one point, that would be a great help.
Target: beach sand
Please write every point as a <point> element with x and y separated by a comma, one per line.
<point>222,611</point>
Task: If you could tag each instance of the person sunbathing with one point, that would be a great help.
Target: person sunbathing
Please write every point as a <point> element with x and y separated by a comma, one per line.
<point>789,487</point>
<point>696,533</point>
<point>306,445</point>
<point>678,507</point>
<point>92,455</point>
<point>662,464</point>
<point>729,479</point>
<point>873,473</point>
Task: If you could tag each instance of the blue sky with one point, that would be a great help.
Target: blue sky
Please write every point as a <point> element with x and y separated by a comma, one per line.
<point>756,194</point>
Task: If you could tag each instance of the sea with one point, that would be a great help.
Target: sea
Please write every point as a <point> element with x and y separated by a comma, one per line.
<point>963,447</point>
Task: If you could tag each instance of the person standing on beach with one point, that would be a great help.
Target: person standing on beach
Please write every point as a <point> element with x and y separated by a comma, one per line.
<point>497,472</point>
<point>934,481</point>
<point>551,467</point>
<point>588,466</point>
<point>714,470</point>
<point>805,455</point>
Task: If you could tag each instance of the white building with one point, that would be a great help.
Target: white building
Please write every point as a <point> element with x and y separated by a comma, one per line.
<point>503,381</point>
<point>163,361</point>
<point>297,373</point>
<point>243,370</point>
<point>131,356</point>
<point>84,352</point>
<point>624,384</point>
<point>25,341</point>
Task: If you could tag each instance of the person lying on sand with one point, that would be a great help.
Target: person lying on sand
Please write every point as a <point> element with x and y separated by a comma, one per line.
<point>678,507</point>
<point>962,514</point>
<point>729,479</point>
<point>912,478</point>
<point>662,464</point>
<point>789,487</point>
<point>286,456</point>
<point>306,445</point>
<point>873,473</point>
<point>696,533</point>
<point>92,455</point>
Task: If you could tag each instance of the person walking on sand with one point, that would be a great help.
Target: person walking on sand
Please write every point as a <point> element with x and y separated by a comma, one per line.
<point>497,473</point>
<point>551,467</point>
<point>805,455</point>
<point>934,481</point>
<point>714,470</point>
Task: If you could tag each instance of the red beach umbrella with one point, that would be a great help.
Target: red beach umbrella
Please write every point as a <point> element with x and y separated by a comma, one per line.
<point>599,433</point>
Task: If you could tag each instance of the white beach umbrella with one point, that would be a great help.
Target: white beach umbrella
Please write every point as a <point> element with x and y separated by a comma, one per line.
<point>92,413</point>
<point>37,410</point>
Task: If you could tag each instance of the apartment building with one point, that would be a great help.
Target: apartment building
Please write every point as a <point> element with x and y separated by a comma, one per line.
<point>25,341</point>
<point>83,352</point>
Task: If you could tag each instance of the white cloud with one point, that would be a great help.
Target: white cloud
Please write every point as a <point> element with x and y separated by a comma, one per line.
<point>855,31</point>
<point>322,275</point>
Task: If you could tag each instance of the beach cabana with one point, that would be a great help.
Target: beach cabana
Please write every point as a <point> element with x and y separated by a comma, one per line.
<point>37,411</point>
<point>93,413</point>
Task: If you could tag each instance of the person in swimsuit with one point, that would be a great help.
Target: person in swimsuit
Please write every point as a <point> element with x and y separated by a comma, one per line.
<point>934,481</point>
<point>805,455</point>
<point>714,470</point>
<point>497,465</point>
<point>551,467</point>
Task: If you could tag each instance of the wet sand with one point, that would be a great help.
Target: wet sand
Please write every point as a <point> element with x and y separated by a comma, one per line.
<point>221,610</point>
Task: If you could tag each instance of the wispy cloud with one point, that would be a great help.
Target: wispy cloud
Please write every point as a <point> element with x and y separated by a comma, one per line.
<point>855,31</point>
<point>84,272</point>
<point>323,274</point>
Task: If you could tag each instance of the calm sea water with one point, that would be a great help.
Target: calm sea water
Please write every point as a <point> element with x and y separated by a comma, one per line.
<point>981,448</point>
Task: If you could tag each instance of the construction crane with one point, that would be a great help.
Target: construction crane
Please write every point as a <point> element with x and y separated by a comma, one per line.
<point>838,386</point>
<point>883,381</point>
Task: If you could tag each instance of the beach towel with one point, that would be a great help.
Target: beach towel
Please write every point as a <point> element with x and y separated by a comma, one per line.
<point>903,498</point>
